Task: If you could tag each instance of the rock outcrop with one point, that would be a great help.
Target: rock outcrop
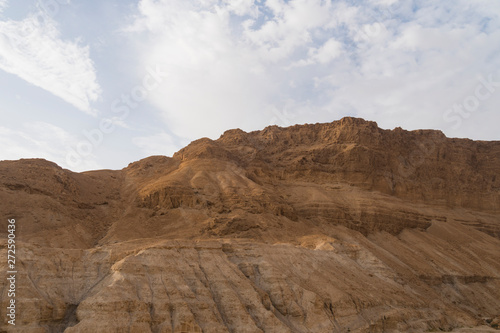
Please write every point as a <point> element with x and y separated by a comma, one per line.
<point>338,227</point>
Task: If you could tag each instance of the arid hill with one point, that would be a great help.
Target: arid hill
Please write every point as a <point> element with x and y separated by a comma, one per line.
<point>337,227</point>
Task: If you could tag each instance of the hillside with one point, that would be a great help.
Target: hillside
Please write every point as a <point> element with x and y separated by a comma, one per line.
<point>336,227</point>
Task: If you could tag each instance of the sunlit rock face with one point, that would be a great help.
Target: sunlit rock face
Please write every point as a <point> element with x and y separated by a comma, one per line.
<point>338,227</point>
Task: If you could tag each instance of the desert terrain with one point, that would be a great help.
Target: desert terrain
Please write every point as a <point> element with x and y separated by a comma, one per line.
<point>334,227</point>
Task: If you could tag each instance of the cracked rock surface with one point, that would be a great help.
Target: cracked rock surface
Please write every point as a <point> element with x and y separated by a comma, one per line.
<point>339,227</point>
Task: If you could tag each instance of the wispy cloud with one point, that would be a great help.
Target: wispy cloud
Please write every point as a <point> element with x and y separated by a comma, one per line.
<point>41,140</point>
<point>33,50</point>
<point>3,4</point>
<point>230,63</point>
<point>161,143</point>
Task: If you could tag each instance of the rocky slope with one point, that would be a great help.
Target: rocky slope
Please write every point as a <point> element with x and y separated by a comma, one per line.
<point>338,227</point>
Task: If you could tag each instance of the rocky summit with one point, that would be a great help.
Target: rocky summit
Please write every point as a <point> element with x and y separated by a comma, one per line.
<point>335,227</point>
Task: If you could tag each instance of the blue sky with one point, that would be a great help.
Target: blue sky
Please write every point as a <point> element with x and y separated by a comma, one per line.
<point>99,84</point>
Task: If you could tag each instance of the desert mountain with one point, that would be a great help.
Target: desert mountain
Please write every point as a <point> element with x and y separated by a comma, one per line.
<point>336,227</point>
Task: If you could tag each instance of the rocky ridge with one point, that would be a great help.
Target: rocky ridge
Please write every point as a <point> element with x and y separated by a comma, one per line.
<point>338,227</point>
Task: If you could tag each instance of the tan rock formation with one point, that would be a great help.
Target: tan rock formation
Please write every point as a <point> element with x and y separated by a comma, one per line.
<point>339,227</point>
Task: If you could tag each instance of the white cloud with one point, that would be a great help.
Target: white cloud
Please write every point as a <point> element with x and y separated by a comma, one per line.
<point>291,28</point>
<point>225,71</point>
<point>242,7</point>
<point>323,54</point>
<point>42,140</point>
<point>327,52</point>
<point>384,2</point>
<point>33,50</point>
<point>156,144</point>
<point>238,64</point>
<point>3,5</point>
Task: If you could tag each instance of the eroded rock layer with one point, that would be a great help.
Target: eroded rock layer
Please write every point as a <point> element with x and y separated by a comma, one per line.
<point>339,227</point>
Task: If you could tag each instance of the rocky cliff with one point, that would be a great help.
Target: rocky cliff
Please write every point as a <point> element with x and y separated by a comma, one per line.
<point>338,227</point>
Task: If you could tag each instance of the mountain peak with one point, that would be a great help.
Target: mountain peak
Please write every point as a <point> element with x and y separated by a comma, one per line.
<point>308,228</point>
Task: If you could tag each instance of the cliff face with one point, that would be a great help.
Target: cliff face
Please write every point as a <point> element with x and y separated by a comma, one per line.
<point>314,228</point>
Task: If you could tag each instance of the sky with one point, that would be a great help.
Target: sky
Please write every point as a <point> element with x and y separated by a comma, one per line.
<point>100,84</point>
